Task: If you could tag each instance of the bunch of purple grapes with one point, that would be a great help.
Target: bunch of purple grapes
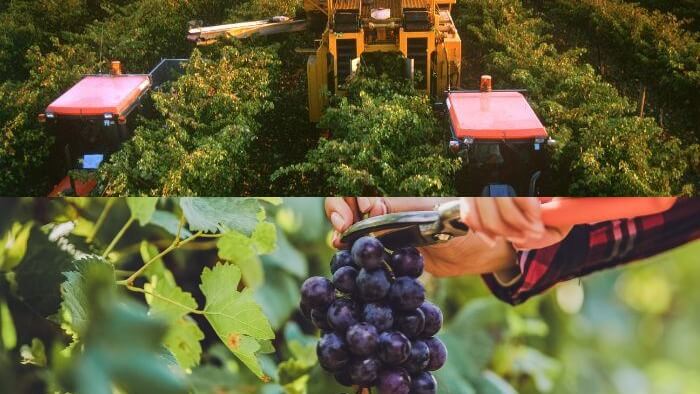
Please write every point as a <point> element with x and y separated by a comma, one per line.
<point>378,329</point>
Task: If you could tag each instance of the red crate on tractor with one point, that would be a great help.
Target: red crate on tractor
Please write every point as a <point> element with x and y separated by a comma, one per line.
<point>500,140</point>
<point>94,118</point>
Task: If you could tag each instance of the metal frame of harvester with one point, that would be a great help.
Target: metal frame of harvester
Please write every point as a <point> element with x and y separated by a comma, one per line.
<point>421,30</point>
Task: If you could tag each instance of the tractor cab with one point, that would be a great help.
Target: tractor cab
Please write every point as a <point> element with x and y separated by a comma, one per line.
<point>94,118</point>
<point>500,139</point>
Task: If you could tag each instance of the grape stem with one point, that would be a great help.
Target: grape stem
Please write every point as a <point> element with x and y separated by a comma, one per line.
<point>177,242</point>
<point>119,236</point>
<point>100,221</point>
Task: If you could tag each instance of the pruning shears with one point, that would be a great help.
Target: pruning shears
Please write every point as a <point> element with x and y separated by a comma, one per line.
<point>424,228</point>
<point>414,228</point>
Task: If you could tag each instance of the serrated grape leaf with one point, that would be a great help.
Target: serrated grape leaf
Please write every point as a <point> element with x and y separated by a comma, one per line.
<point>183,340</point>
<point>240,250</point>
<point>40,274</point>
<point>142,208</point>
<point>75,299</point>
<point>220,214</point>
<point>122,344</point>
<point>170,303</point>
<point>235,316</point>
<point>168,222</point>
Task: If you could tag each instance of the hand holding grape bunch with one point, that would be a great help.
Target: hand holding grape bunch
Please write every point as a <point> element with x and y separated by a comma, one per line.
<point>378,330</point>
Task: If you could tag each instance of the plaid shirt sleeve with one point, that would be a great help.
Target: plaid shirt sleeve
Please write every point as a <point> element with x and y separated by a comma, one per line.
<point>593,247</point>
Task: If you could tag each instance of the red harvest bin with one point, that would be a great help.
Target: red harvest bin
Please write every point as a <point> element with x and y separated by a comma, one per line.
<point>493,116</point>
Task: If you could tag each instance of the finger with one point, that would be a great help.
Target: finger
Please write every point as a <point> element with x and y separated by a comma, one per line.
<point>532,209</point>
<point>469,213</point>
<point>339,212</point>
<point>492,221</point>
<point>373,206</point>
<point>515,218</point>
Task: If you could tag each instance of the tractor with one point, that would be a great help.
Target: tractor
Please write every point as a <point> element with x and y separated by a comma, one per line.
<point>94,118</point>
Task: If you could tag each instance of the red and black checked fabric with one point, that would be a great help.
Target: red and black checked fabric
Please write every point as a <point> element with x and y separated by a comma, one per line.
<point>593,247</point>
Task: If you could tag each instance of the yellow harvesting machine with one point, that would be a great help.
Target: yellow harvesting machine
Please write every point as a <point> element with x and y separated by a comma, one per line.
<point>422,31</point>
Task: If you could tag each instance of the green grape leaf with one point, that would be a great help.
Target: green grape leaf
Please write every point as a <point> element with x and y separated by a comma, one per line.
<point>75,299</point>
<point>169,222</point>
<point>169,302</point>
<point>40,274</point>
<point>142,208</point>
<point>183,340</point>
<point>220,214</point>
<point>13,246</point>
<point>243,251</point>
<point>234,246</point>
<point>122,344</point>
<point>264,237</point>
<point>235,316</point>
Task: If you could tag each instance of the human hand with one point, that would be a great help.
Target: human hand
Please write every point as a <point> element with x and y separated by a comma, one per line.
<point>516,220</point>
<point>464,255</point>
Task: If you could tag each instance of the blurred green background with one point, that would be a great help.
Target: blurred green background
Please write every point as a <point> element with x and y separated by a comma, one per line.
<point>627,330</point>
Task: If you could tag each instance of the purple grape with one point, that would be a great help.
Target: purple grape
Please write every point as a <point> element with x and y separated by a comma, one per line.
<point>407,262</point>
<point>344,279</point>
<point>368,253</point>
<point>419,358</point>
<point>343,377</point>
<point>379,315</point>
<point>362,339</point>
<point>317,292</point>
<point>433,319</point>
<point>332,352</point>
<point>411,323</point>
<point>438,354</point>
<point>364,371</point>
<point>320,319</point>
<point>342,258</point>
<point>373,285</point>
<point>394,348</point>
<point>423,383</point>
<point>394,381</point>
<point>406,294</point>
<point>342,314</point>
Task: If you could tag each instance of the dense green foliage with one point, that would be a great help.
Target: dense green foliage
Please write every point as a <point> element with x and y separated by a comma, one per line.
<point>385,141</point>
<point>641,52</point>
<point>250,134</point>
<point>605,147</point>
<point>215,280</point>
<point>686,10</point>
<point>200,144</point>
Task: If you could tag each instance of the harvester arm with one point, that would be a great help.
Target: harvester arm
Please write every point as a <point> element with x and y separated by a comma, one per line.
<point>276,25</point>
